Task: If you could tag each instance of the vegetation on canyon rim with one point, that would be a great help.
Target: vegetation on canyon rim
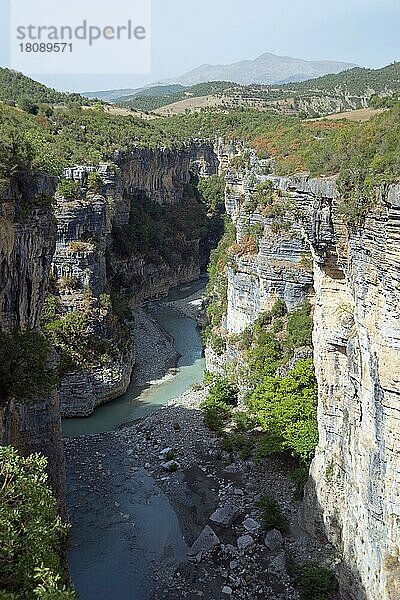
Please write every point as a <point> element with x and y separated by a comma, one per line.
<point>32,535</point>
<point>363,155</point>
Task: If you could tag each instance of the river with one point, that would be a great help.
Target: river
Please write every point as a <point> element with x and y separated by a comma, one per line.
<point>122,522</point>
<point>140,401</point>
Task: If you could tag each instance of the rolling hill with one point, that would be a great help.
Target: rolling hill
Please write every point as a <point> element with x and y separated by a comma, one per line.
<point>353,89</point>
<point>14,86</point>
<point>266,69</point>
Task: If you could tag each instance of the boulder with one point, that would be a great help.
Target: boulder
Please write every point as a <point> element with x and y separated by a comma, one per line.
<point>225,516</point>
<point>278,566</point>
<point>164,452</point>
<point>251,525</point>
<point>245,542</point>
<point>273,540</point>
<point>171,466</point>
<point>206,541</point>
<point>227,590</point>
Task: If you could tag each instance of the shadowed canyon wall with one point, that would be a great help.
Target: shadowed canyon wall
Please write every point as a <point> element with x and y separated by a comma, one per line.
<point>351,276</point>
<point>27,243</point>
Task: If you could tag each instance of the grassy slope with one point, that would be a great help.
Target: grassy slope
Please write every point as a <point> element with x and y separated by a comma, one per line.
<point>357,82</point>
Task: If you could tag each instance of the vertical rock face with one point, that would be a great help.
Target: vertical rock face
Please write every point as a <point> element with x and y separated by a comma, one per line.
<point>79,268</point>
<point>162,173</point>
<point>276,268</point>
<point>82,226</point>
<point>26,250</point>
<point>27,242</point>
<point>353,493</point>
<point>86,265</point>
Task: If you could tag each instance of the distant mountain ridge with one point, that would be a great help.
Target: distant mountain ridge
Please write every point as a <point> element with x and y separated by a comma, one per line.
<point>266,69</point>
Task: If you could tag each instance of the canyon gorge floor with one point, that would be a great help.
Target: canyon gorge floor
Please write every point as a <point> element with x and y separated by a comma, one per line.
<point>141,526</point>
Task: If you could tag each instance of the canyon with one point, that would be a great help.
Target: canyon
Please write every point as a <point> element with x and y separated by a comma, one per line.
<point>350,275</point>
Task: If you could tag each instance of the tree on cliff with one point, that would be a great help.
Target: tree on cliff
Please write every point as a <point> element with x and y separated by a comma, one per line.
<point>32,535</point>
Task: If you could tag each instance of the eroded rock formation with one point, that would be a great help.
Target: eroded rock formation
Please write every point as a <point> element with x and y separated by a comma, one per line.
<point>27,242</point>
<point>353,492</point>
<point>88,265</point>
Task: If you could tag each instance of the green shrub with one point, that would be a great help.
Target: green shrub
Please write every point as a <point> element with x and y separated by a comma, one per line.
<point>214,340</point>
<point>32,536</point>
<point>105,301</point>
<point>26,368</point>
<point>217,288</point>
<point>264,356</point>
<point>271,514</point>
<point>254,232</point>
<point>299,476</point>
<point>94,182</point>
<point>67,188</point>
<point>300,327</point>
<point>279,308</point>
<point>269,443</point>
<point>51,308</point>
<point>277,326</point>
<point>315,582</point>
<point>264,194</point>
<point>286,408</point>
<point>243,420</point>
<point>236,442</point>
<point>76,345</point>
<point>216,414</point>
<point>28,106</point>
<point>218,406</point>
<point>223,391</point>
<point>212,190</point>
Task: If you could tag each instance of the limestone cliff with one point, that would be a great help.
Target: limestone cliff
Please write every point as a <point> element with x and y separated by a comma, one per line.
<point>27,242</point>
<point>352,276</point>
<point>274,267</point>
<point>353,493</point>
<point>101,255</point>
<point>81,285</point>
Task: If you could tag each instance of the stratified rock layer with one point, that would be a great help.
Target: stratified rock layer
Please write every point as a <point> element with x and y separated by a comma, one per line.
<point>353,493</point>
<point>87,266</point>
<point>27,242</point>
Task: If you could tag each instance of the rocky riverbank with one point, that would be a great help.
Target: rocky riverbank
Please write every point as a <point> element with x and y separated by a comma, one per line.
<point>155,352</point>
<point>188,307</point>
<point>170,459</point>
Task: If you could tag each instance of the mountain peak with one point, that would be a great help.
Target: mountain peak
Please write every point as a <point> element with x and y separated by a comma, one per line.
<point>267,68</point>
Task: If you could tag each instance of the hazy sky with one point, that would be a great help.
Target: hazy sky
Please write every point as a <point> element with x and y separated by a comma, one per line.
<point>187,33</point>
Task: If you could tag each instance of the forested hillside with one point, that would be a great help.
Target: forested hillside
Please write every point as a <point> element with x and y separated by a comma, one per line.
<point>362,154</point>
<point>159,96</point>
<point>15,88</point>
<point>358,83</point>
<point>355,81</point>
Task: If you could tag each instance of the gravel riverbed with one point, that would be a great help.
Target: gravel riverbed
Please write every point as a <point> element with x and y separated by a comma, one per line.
<point>205,479</point>
<point>143,504</point>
